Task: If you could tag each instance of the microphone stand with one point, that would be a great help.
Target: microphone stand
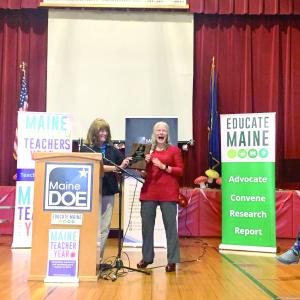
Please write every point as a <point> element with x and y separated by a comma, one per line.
<point>118,263</point>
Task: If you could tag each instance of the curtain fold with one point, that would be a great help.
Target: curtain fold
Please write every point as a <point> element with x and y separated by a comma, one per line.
<point>23,37</point>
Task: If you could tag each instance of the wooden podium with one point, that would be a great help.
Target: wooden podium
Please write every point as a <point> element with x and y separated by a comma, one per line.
<point>87,259</point>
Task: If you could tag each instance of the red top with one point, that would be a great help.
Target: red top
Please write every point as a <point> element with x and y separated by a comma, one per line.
<point>160,185</point>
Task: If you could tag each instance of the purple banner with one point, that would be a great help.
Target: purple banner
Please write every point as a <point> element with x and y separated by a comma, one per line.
<point>25,174</point>
<point>62,268</point>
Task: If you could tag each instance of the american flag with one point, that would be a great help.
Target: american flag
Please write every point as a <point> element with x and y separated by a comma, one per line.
<point>22,106</point>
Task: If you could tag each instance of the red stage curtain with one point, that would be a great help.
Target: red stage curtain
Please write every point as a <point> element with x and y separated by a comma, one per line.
<point>238,7</point>
<point>258,68</point>
<point>17,4</point>
<point>246,7</point>
<point>23,37</point>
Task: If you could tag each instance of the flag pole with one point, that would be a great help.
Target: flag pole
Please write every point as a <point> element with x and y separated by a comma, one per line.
<point>23,66</point>
<point>213,123</point>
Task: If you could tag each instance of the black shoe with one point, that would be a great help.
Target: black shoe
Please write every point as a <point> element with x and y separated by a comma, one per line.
<point>171,267</point>
<point>143,264</point>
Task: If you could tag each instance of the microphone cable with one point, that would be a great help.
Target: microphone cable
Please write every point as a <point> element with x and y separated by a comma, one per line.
<point>130,214</point>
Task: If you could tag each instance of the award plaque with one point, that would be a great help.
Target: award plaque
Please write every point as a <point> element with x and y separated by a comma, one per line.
<point>138,153</point>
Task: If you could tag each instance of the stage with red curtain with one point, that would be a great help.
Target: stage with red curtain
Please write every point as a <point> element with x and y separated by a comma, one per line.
<point>257,54</point>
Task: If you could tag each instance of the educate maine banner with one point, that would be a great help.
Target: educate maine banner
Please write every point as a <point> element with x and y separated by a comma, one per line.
<point>248,182</point>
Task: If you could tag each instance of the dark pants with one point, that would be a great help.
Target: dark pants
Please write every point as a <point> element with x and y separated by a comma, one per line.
<point>169,214</point>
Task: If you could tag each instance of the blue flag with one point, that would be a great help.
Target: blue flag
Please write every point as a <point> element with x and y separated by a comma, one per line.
<point>214,153</point>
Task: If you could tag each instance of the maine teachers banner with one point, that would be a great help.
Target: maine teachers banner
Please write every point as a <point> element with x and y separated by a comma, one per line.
<point>37,131</point>
<point>248,182</point>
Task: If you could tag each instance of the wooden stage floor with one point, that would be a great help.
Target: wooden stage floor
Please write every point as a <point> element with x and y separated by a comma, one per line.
<point>203,274</point>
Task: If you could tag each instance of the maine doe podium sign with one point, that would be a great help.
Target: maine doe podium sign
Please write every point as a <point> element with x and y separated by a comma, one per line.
<point>68,187</point>
<point>248,182</point>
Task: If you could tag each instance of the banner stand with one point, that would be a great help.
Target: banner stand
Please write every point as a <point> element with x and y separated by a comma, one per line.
<point>248,182</point>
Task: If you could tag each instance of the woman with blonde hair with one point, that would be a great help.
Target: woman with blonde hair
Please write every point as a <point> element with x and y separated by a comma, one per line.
<point>99,140</point>
<point>161,188</point>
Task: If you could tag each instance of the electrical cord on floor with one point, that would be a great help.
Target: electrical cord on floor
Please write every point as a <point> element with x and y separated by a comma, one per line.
<point>111,270</point>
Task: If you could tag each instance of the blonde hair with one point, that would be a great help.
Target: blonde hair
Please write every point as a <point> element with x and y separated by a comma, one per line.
<point>98,124</point>
<point>153,138</point>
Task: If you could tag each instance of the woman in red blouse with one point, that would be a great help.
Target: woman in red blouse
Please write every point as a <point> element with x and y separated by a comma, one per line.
<point>161,187</point>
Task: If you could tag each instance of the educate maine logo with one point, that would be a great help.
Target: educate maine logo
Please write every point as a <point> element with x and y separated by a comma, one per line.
<point>68,187</point>
<point>248,137</point>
